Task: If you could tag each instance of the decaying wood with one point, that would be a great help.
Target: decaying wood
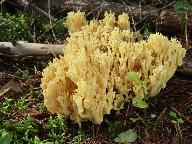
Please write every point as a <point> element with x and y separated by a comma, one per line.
<point>22,48</point>
<point>162,19</point>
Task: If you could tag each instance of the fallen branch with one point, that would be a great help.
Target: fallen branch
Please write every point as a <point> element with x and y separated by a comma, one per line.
<point>22,48</point>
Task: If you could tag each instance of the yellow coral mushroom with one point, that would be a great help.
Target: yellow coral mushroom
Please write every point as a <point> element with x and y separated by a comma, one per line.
<point>90,79</point>
<point>75,21</point>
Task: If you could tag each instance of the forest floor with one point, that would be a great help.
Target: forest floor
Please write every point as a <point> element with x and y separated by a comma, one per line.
<point>24,118</point>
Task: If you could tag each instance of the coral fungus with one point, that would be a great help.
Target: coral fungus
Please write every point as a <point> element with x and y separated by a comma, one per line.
<point>90,79</point>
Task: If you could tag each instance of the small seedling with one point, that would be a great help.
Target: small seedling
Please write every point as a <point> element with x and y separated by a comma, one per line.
<point>178,6</point>
<point>26,129</point>
<point>21,104</point>
<point>42,107</point>
<point>57,128</point>
<point>7,124</point>
<point>147,31</point>
<point>154,123</point>
<point>32,92</point>
<point>23,74</point>
<point>182,4</point>
<point>177,121</point>
<point>79,137</point>
<point>137,101</point>
<point>6,104</point>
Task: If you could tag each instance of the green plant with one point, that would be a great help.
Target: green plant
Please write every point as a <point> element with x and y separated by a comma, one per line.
<point>114,127</point>
<point>42,107</point>
<point>25,129</point>
<point>178,6</point>
<point>5,137</point>
<point>137,101</point>
<point>57,27</point>
<point>182,4</point>
<point>22,131</point>
<point>7,124</point>
<point>154,123</point>
<point>21,104</point>
<point>19,24</point>
<point>79,137</point>
<point>23,74</point>
<point>6,105</point>
<point>36,140</point>
<point>147,31</point>
<point>177,121</point>
<point>32,92</point>
<point>57,128</point>
<point>31,27</point>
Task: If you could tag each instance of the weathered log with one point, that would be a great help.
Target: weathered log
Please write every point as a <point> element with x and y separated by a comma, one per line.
<point>22,48</point>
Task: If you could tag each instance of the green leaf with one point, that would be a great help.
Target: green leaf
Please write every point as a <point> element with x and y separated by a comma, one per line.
<point>173,114</point>
<point>42,107</point>
<point>7,104</point>
<point>23,74</point>
<point>134,77</point>
<point>51,143</point>
<point>138,102</point>
<point>180,120</point>
<point>176,118</point>
<point>32,92</point>
<point>5,138</point>
<point>187,4</point>
<point>177,6</point>
<point>182,4</point>
<point>147,31</point>
<point>126,137</point>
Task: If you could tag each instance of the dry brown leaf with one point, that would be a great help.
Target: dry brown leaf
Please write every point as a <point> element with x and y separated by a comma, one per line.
<point>13,85</point>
